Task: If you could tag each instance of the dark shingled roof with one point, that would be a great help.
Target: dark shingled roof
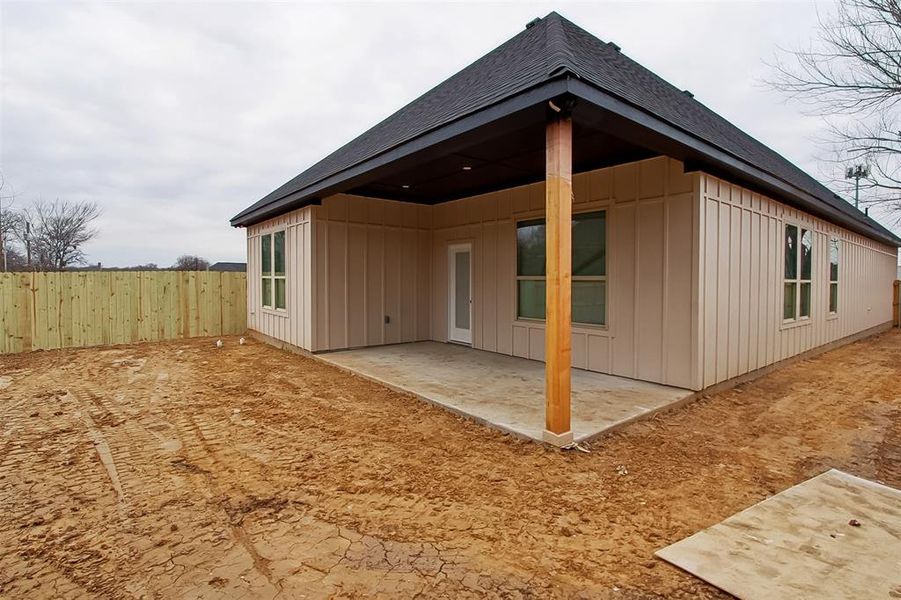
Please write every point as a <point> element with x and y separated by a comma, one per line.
<point>235,267</point>
<point>550,49</point>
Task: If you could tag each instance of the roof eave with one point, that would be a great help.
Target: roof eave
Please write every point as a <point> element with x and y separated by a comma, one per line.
<point>715,154</point>
<point>344,179</point>
<point>566,81</point>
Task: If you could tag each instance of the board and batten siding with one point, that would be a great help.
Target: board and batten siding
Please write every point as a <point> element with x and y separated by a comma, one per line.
<point>741,291</point>
<point>294,324</point>
<point>371,272</point>
<point>652,247</point>
<point>694,275</point>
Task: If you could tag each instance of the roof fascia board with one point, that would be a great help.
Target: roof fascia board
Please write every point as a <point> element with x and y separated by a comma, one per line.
<point>814,205</point>
<point>326,186</point>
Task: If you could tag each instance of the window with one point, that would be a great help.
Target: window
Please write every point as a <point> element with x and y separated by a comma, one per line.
<point>833,276</point>
<point>272,252</point>
<point>589,269</point>
<point>798,269</point>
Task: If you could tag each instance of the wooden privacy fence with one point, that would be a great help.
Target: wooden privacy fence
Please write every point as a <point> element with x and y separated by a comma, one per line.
<point>896,305</point>
<point>40,311</point>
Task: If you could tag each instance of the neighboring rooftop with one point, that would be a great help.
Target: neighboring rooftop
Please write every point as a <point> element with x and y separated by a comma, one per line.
<point>622,104</point>
<point>237,267</point>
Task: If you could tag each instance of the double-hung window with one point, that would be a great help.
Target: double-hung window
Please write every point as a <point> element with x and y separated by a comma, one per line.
<point>798,269</point>
<point>833,276</point>
<point>272,253</point>
<point>589,269</point>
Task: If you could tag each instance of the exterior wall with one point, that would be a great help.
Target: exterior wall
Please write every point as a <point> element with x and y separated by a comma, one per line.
<point>740,302</point>
<point>293,325</point>
<point>694,275</point>
<point>371,261</point>
<point>651,211</point>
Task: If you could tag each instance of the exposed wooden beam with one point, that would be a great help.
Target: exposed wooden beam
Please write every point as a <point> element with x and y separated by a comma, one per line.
<point>558,256</point>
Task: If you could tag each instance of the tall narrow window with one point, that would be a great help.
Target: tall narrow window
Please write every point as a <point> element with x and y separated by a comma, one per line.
<point>589,269</point>
<point>798,272</point>
<point>273,284</point>
<point>806,271</point>
<point>833,276</point>
<point>266,256</point>
<point>530,269</point>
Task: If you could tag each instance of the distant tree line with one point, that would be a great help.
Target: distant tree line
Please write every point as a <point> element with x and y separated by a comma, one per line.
<point>185,262</point>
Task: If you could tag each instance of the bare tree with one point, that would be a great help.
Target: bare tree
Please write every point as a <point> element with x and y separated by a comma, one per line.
<point>851,75</point>
<point>188,262</point>
<point>53,234</point>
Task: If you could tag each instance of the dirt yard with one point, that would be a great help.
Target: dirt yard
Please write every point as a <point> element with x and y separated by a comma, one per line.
<point>182,470</point>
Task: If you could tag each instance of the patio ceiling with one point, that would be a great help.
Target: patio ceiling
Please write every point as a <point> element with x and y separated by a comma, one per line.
<point>504,155</point>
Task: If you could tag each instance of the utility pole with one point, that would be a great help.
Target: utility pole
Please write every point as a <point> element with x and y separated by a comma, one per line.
<point>857,172</point>
<point>4,227</point>
<point>2,237</point>
<point>28,244</point>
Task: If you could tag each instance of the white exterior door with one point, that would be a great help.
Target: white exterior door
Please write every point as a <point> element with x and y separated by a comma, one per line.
<point>460,288</point>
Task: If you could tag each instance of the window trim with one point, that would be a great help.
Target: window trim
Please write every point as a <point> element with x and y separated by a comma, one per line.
<point>833,314</point>
<point>271,276</point>
<point>798,280</point>
<point>605,278</point>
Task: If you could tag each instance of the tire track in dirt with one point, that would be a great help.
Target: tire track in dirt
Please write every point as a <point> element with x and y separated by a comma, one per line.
<point>46,536</point>
<point>234,518</point>
<point>101,446</point>
<point>216,440</point>
<point>199,443</point>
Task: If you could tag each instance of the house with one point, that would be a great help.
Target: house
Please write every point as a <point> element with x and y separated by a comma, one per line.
<point>228,267</point>
<point>557,201</point>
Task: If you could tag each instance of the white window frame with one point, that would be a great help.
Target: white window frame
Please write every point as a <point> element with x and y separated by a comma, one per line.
<point>837,244</point>
<point>575,278</point>
<point>798,281</point>
<point>271,276</point>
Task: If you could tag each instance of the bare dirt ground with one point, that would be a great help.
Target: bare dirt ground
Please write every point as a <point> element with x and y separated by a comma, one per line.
<point>182,470</point>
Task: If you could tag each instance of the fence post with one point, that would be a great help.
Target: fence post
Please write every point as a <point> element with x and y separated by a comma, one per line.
<point>896,304</point>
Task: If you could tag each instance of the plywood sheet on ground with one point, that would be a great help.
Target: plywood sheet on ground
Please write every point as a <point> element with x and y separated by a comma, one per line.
<point>801,543</point>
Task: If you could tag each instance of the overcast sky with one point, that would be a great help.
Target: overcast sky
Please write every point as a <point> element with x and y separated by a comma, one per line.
<point>175,116</point>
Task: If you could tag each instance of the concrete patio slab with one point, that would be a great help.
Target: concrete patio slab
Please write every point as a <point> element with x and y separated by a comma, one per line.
<point>502,391</point>
<point>833,536</point>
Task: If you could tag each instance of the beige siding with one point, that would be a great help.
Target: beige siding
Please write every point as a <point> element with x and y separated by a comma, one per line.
<point>694,269</point>
<point>371,262</point>
<point>742,281</point>
<point>292,325</point>
<point>651,211</point>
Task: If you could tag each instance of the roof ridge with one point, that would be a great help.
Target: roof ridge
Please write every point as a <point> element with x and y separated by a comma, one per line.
<point>560,57</point>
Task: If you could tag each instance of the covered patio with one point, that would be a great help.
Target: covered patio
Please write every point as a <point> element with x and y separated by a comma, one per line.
<point>505,392</point>
<point>549,201</point>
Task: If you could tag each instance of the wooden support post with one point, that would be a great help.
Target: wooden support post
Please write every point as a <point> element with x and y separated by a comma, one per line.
<point>558,257</point>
